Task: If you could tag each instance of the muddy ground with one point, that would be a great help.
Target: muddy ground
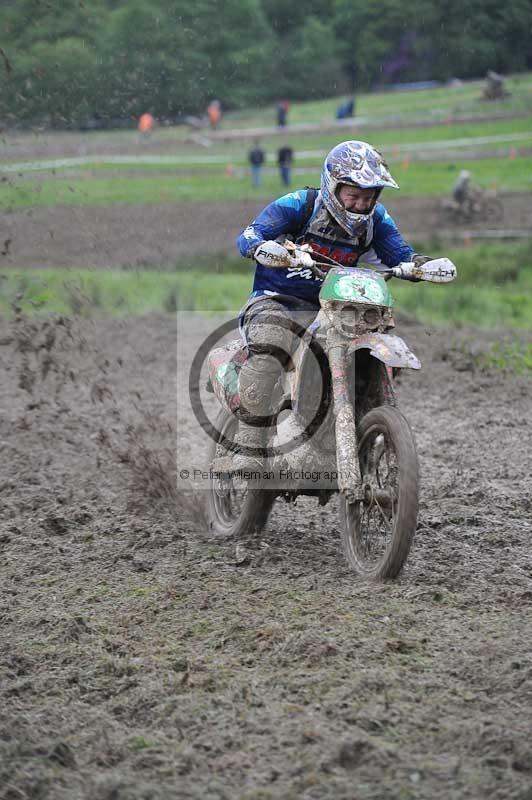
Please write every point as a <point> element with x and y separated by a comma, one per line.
<point>139,659</point>
<point>133,237</point>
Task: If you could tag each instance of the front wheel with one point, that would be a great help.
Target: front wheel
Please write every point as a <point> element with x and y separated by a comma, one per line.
<point>378,528</point>
<point>234,508</point>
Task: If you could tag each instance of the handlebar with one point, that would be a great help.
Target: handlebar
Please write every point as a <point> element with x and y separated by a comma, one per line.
<point>437,270</point>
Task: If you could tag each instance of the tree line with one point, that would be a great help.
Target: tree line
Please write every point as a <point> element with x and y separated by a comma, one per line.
<point>67,61</point>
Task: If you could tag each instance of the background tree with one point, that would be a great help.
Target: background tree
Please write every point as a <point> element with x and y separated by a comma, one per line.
<point>66,61</point>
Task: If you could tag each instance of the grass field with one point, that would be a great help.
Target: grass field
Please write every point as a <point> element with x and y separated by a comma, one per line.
<point>414,178</point>
<point>195,174</point>
<point>503,133</point>
<point>435,102</point>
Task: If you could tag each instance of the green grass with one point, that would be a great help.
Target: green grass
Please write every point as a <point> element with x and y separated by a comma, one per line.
<point>439,102</point>
<point>460,306</point>
<point>415,178</point>
<point>102,183</point>
<point>87,292</point>
<point>444,131</point>
<point>494,289</point>
<point>513,356</point>
<point>236,153</point>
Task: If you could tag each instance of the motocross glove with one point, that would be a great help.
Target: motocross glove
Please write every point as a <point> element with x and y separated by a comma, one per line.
<point>272,254</point>
<point>302,259</point>
<point>417,260</point>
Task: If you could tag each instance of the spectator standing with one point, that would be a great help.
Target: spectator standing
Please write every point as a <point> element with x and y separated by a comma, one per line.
<point>256,158</point>
<point>346,109</point>
<point>146,125</point>
<point>285,156</point>
<point>282,113</point>
<point>214,113</point>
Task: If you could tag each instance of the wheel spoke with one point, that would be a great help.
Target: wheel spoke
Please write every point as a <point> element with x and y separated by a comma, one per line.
<point>378,528</point>
<point>385,518</point>
<point>375,519</point>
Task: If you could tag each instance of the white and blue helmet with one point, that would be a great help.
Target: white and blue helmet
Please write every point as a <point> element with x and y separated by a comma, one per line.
<point>357,164</point>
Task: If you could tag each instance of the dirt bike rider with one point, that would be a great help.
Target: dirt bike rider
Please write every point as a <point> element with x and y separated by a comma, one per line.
<point>465,193</point>
<point>344,221</point>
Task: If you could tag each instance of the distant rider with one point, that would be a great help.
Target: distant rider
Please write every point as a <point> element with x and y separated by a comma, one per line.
<point>466,194</point>
<point>343,220</point>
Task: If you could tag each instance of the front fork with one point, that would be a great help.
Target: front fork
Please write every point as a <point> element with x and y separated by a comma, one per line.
<point>345,428</point>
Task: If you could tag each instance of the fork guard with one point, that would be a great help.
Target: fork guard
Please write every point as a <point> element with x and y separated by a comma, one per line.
<point>391,350</point>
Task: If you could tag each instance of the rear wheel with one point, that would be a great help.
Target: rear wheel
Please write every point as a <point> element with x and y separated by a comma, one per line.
<point>234,508</point>
<point>378,528</point>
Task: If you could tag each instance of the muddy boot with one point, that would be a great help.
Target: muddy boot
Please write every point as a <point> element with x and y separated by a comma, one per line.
<point>248,453</point>
<point>250,441</point>
<point>290,430</point>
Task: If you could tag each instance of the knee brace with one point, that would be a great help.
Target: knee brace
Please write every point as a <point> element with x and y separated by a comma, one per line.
<point>257,380</point>
<point>272,336</point>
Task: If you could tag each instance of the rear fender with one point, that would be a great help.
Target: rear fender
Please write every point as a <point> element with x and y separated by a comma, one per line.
<point>391,350</point>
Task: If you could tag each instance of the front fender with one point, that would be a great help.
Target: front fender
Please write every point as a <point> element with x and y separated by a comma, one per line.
<point>391,350</point>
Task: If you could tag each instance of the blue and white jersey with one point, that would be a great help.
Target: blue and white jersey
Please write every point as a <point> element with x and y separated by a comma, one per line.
<point>379,239</point>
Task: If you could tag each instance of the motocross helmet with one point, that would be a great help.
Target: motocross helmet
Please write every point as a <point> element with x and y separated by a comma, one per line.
<point>357,164</point>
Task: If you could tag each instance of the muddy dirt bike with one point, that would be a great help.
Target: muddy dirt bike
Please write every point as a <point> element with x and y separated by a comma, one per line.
<point>353,427</point>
